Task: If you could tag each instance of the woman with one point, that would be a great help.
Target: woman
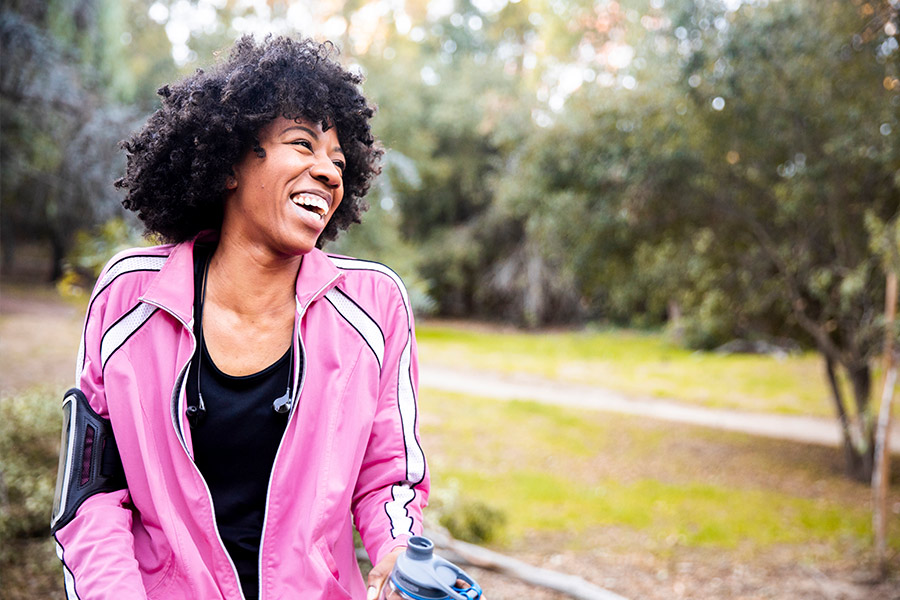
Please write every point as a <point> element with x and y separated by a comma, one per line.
<point>261,394</point>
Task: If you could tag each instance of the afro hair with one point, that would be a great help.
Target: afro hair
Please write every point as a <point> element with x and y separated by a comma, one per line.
<point>178,163</point>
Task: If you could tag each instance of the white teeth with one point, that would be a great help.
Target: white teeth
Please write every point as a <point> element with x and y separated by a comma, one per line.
<point>311,202</point>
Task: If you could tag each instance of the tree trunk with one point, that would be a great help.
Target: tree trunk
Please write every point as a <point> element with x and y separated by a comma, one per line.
<point>535,293</point>
<point>861,378</point>
<point>8,247</point>
<point>59,257</point>
<point>881,477</point>
<point>859,447</point>
<point>676,327</point>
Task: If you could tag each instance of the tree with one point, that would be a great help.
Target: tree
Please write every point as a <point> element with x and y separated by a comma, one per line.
<point>449,106</point>
<point>65,91</point>
<point>748,190</point>
<point>800,149</point>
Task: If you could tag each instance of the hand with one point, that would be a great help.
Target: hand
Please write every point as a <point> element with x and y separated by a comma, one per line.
<point>379,574</point>
<point>464,585</point>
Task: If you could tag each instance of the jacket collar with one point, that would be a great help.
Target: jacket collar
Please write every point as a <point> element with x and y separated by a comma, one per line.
<point>173,287</point>
<point>318,274</point>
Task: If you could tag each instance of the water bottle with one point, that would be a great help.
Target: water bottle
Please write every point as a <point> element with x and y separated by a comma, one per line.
<point>420,575</point>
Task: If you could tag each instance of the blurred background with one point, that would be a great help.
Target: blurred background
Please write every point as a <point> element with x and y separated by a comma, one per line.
<point>695,202</point>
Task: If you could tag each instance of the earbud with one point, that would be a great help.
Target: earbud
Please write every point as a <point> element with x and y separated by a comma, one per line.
<point>283,404</point>
<point>195,415</point>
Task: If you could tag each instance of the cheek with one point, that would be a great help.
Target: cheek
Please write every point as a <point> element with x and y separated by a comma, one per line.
<point>337,205</point>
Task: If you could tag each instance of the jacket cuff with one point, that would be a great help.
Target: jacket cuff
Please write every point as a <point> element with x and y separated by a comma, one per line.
<point>389,545</point>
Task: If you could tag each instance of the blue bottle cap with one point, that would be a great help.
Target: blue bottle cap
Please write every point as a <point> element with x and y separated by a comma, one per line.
<point>420,575</point>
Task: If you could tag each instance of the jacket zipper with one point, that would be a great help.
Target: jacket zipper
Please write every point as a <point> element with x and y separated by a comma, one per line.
<point>294,399</point>
<point>179,431</point>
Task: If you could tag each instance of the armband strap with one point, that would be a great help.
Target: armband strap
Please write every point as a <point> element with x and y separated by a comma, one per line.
<point>89,461</point>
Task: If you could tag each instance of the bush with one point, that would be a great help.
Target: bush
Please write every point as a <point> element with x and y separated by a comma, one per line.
<point>30,426</point>
<point>91,251</point>
<point>468,520</point>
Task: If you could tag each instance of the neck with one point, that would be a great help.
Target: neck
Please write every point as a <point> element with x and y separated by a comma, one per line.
<point>248,281</point>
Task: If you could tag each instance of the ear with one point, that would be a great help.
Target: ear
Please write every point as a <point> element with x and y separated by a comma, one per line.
<point>231,182</point>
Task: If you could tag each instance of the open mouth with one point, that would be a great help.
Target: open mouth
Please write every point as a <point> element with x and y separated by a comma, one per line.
<point>312,203</point>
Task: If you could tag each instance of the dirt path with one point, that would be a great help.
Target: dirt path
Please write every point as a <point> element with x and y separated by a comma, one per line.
<point>811,430</point>
<point>39,337</point>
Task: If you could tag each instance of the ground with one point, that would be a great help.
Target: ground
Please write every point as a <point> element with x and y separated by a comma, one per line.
<point>39,337</point>
<point>697,575</point>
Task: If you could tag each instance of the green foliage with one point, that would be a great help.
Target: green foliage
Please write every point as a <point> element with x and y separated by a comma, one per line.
<point>710,322</point>
<point>733,184</point>
<point>465,518</point>
<point>29,444</point>
<point>794,208</point>
<point>377,238</point>
<point>92,250</point>
<point>63,114</point>
<point>453,107</point>
<point>652,196</point>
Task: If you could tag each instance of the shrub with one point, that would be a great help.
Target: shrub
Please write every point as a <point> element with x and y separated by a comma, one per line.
<point>466,519</point>
<point>29,446</point>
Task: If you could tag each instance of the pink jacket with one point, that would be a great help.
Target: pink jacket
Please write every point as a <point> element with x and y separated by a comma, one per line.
<point>350,449</point>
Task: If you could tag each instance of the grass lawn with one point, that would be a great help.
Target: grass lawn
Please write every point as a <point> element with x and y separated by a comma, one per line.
<point>553,469</point>
<point>639,363</point>
<point>597,488</point>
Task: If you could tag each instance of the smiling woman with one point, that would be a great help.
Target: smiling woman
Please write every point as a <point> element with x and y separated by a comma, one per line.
<point>261,393</point>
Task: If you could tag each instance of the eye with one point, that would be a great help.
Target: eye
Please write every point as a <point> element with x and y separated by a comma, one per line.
<point>341,165</point>
<point>302,142</point>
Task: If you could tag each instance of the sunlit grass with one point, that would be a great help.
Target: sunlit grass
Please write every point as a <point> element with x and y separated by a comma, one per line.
<point>638,363</point>
<point>555,469</point>
<point>696,514</point>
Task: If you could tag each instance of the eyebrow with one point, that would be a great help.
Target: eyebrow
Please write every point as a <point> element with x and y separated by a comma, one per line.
<point>314,135</point>
<point>302,128</point>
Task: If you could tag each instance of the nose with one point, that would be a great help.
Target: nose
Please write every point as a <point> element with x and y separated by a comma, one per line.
<point>327,172</point>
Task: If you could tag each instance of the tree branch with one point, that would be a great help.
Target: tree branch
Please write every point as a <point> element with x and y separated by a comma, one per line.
<point>798,303</point>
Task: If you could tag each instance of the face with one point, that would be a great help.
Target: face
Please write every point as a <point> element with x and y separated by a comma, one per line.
<point>282,202</point>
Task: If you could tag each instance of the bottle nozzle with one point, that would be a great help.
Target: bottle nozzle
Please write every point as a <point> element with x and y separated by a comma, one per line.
<point>420,548</point>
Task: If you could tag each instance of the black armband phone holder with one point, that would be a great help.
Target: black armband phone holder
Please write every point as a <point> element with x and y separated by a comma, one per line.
<point>89,461</point>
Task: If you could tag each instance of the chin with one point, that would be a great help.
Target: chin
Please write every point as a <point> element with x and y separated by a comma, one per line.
<point>304,246</point>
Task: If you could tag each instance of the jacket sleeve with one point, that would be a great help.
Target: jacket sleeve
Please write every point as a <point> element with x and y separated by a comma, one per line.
<point>393,484</point>
<point>96,546</point>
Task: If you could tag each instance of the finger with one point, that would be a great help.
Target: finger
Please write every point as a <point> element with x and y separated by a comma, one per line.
<point>372,592</point>
<point>375,580</point>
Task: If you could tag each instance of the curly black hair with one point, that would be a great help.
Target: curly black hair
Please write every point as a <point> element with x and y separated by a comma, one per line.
<point>177,164</point>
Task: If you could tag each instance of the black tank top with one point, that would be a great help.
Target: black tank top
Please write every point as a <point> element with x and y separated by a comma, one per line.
<point>235,444</point>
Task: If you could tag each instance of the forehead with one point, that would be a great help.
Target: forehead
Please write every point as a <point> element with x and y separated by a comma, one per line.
<point>281,125</point>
